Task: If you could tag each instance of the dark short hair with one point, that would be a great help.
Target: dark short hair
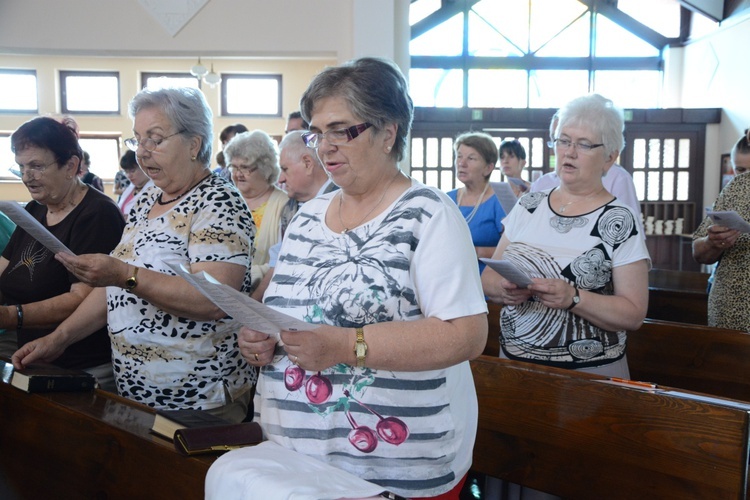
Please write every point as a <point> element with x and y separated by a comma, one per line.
<point>230,131</point>
<point>47,133</point>
<point>742,146</point>
<point>480,141</point>
<point>296,114</point>
<point>375,90</point>
<point>128,161</point>
<point>513,147</point>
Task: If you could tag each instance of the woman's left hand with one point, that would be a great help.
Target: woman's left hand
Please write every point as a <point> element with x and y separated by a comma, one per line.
<point>553,293</point>
<point>95,269</point>
<point>318,349</point>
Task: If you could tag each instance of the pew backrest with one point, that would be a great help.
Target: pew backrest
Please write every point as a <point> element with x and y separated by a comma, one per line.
<point>695,357</point>
<point>565,433</point>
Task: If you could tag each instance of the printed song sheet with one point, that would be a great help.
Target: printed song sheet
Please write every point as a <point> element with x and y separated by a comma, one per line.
<point>239,306</point>
<point>509,271</point>
<point>730,219</point>
<point>504,193</point>
<point>32,226</point>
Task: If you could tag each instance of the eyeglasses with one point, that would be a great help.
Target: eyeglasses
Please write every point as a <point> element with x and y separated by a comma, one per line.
<point>334,137</point>
<point>243,169</point>
<point>583,147</point>
<point>148,143</point>
<point>34,169</point>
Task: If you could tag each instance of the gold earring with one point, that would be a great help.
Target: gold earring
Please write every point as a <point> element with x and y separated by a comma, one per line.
<point>194,158</point>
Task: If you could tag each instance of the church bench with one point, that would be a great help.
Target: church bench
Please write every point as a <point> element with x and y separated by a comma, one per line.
<point>89,445</point>
<point>695,357</point>
<point>563,432</point>
<point>678,296</point>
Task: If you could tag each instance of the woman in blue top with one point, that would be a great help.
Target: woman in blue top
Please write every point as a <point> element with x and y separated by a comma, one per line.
<point>476,155</point>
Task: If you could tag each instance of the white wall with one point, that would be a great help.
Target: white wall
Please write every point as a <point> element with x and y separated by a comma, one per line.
<point>714,72</point>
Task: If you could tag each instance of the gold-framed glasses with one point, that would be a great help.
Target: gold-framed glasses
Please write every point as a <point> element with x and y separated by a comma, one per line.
<point>33,168</point>
<point>243,169</point>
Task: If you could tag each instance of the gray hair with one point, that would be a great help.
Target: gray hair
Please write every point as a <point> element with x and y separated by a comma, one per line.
<point>257,148</point>
<point>187,110</point>
<point>375,90</point>
<point>598,114</point>
<point>293,143</point>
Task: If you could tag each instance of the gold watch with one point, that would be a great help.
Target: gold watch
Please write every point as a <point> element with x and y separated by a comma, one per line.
<point>132,282</point>
<point>360,347</point>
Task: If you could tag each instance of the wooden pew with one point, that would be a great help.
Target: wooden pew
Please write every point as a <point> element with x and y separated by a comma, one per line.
<point>678,296</point>
<point>90,445</point>
<point>562,432</point>
<point>699,358</point>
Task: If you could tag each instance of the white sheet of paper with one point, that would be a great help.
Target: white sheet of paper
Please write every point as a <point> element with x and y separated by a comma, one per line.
<point>504,193</point>
<point>730,219</point>
<point>509,271</point>
<point>239,306</point>
<point>32,226</point>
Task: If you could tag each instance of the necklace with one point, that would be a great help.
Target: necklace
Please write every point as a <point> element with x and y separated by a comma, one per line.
<point>565,206</point>
<point>476,205</point>
<point>70,205</point>
<point>161,202</point>
<point>341,200</point>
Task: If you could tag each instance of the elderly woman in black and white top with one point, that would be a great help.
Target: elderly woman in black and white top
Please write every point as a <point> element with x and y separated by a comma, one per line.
<point>171,349</point>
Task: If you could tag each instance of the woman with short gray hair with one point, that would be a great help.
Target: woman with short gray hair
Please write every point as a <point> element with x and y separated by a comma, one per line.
<point>253,161</point>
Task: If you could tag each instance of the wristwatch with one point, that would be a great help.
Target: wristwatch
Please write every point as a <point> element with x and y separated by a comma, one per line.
<point>360,347</point>
<point>132,282</point>
<point>576,299</point>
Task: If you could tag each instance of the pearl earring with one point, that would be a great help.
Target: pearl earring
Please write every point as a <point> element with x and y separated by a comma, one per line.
<point>388,149</point>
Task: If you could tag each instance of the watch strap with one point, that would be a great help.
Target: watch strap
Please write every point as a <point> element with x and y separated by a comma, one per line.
<point>576,299</point>
<point>132,281</point>
<point>360,347</point>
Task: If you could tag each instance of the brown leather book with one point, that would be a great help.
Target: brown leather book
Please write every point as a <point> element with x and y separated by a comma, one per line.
<point>217,438</point>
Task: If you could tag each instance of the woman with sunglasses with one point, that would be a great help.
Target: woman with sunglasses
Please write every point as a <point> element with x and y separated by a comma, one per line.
<point>171,347</point>
<point>40,291</point>
<point>385,271</point>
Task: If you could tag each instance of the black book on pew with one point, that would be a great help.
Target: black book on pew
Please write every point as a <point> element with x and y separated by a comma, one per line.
<point>167,422</point>
<point>50,378</point>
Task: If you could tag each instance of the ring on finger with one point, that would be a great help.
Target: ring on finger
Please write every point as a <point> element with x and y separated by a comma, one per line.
<point>296,358</point>
<point>256,357</point>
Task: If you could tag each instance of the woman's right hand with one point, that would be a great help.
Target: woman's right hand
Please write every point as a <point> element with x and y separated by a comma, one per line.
<point>45,349</point>
<point>504,292</point>
<point>722,237</point>
<point>256,347</point>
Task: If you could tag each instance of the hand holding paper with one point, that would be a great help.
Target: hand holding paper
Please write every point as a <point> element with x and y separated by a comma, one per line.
<point>730,219</point>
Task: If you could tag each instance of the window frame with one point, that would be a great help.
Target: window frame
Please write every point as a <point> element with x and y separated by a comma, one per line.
<point>11,71</point>
<point>62,76</point>
<point>226,77</point>
<point>145,75</point>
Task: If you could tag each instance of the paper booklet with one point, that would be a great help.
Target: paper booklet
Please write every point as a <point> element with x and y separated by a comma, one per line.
<point>504,193</point>
<point>32,226</point>
<point>241,307</point>
<point>730,219</point>
<point>509,271</point>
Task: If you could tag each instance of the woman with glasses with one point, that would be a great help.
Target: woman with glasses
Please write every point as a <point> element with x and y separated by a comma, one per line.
<point>385,271</point>
<point>40,291</point>
<point>253,161</point>
<point>171,347</point>
<point>476,156</point>
<point>581,248</point>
